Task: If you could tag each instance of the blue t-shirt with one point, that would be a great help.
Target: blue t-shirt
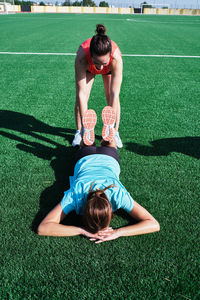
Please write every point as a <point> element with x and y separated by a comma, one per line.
<point>102,170</point>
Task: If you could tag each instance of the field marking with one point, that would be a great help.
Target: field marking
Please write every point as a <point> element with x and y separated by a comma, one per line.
<point>37,53</point>
<point>162,22</point>
<point>162,55</point>
<point>125,55</point>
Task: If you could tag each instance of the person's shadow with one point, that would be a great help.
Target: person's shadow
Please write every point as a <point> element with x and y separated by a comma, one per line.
<point>185,145</point>
<point>26,129</point>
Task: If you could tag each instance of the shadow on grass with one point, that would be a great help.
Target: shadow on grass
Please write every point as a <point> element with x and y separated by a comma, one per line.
<point>186,145</point>
<point>27,128</point>
<point>124,215</point>
<point>61,157</point>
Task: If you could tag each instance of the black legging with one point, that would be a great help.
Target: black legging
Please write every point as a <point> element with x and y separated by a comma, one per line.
<point>110,151</point>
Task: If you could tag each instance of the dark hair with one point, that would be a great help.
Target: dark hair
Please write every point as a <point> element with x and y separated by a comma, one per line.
<point>100,43</point>
<point>97,211</point>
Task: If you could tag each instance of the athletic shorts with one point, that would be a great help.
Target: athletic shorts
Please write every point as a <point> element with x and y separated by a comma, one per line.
<point>89,150</point>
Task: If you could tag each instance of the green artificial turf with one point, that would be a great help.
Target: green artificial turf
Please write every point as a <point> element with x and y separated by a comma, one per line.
<point>160,163</point>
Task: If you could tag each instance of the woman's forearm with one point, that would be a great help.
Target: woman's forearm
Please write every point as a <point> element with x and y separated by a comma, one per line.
<point>143,227</point>
<point>54,229</point>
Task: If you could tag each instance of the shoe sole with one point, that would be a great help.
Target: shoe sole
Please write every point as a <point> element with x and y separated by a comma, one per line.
<point>89,121</point>
<point>108,117</point>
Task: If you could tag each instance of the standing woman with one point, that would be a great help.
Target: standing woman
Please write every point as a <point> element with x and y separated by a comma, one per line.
<point>97,55</point>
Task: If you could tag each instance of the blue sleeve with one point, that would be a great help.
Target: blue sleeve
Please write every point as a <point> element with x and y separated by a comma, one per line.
<point>67,203</point>
<point>127,202</point>
<point>122,199</point>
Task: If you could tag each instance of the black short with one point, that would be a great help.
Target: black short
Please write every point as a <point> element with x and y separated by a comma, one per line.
<point>110,151</point>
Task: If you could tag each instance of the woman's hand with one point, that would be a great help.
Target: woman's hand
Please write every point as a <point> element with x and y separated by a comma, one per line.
<point>89,235</point>
<point>106,234</point>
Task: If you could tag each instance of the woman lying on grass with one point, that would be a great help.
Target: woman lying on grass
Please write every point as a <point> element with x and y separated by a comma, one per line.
<point>96,192</point>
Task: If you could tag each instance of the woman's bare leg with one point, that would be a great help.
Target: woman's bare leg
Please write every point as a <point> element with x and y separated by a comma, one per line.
<point>107,86</point>
<point>79,112</point>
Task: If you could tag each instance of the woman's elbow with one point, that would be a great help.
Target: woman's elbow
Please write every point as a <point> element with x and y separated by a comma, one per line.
<point>41,229</point>
<point>156,226</point>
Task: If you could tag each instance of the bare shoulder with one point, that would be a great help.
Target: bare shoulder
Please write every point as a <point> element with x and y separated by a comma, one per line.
<point>116,63</point>
<point>117,55</point>
<point>81,60</point>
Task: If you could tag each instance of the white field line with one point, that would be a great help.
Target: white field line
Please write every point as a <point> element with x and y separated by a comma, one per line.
<point>162,55</point>
<point>125,55</point>
<point>163,22</point>
<point>36,53</point>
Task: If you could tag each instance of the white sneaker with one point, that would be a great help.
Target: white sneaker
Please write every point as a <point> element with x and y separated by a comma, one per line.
<point>108,118</point>
<point>118,140</point>
<point>77,139</point>
<point>89,120</point>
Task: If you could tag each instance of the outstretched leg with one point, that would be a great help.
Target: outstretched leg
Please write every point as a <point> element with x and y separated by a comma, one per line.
<point>108,132</point>
<point>108,117</point>
<point>89,120</point>
<point>107,87</point>
<point>81,107</point>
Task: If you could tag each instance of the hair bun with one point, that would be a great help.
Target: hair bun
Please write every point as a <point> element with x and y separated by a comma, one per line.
<point>100,29</point>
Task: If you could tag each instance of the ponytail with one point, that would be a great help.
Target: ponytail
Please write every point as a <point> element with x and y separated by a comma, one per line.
<point>100,43</point>
<point>98,193</point>
<point>100,29</point>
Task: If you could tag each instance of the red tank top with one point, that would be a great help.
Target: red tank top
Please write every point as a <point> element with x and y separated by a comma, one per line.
<point>86,47</point>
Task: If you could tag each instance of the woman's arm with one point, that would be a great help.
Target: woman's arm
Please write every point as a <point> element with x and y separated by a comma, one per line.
<point>116,79</point>
<point>81,80</point>
<point>51,226</point>
<point>146,224</point>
